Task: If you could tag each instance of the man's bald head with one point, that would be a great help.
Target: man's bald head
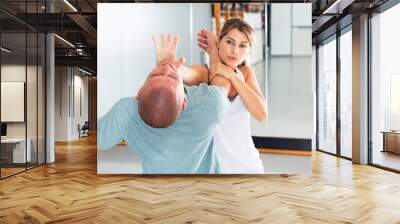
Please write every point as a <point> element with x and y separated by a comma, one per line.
<point>161,98</point>
<point>158,106</point>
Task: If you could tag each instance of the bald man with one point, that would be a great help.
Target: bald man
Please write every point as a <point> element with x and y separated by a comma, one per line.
<point>169,125</point>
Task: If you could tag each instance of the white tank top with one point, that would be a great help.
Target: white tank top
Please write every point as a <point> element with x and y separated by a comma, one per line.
<point>233,144</point>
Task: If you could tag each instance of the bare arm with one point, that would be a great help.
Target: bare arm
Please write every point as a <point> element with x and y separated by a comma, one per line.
<point>250,93</point>
<point>194,74</point>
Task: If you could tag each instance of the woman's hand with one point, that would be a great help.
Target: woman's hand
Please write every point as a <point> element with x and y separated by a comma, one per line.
<point>207,41</point>
<point>221,70</point>
<point>167,50</point>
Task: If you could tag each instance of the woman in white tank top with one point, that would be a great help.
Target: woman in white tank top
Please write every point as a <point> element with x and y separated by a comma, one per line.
<point>233,143</point>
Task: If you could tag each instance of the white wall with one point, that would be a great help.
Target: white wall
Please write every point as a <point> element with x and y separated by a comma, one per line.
<point>203,11</point>
<point>301,29</point>
<point>291,29</point>
<point>80,108</point>
<point>68,81</point>
<point>61,103</point>
<point>126,56</point>
<point>281,28</point>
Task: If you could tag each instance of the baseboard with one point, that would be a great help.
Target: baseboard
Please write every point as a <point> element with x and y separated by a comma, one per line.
<point>286,152</point>
<point>293,144</point>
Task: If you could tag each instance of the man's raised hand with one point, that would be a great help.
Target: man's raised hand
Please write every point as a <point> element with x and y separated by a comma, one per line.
<point>167,50</point>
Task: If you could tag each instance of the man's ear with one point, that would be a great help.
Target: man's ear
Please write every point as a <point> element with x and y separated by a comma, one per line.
<point>184,104</point>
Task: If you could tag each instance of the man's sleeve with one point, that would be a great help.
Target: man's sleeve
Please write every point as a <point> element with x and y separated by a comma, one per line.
<point>111,126</point>
<point>221,101</point>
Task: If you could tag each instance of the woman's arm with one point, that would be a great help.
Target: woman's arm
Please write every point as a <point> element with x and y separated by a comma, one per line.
<point>248,90</point>
<point>194,74</point>
<point>250,93</point>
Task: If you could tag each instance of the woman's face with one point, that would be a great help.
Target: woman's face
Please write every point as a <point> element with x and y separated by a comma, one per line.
<point>234,48</point>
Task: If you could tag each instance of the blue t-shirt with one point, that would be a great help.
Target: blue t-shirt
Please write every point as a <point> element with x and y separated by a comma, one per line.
<point>184,147</point>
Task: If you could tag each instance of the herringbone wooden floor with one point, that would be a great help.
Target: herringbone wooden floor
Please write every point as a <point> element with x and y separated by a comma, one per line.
<point>70,191</point>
